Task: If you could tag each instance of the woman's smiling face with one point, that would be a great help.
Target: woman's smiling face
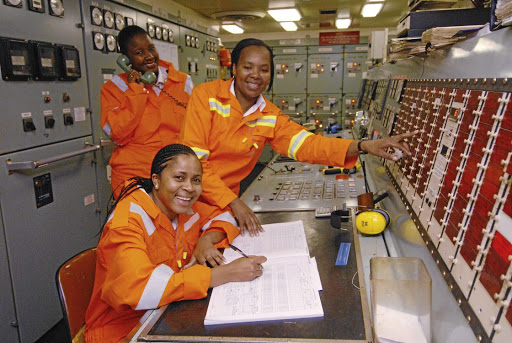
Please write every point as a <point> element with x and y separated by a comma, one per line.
<point>178,186</point>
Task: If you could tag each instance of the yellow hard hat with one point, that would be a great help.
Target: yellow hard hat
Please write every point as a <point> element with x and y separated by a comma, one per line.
<point>372,222</point>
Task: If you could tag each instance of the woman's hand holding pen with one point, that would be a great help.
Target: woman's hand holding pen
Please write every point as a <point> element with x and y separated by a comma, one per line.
<point>242,269</point>
<point>246,218</point>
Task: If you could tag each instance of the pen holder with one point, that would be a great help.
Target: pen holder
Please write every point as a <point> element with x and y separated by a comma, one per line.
<point>365,201</point>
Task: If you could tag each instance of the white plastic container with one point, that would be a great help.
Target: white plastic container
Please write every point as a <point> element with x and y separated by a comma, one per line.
<point>401,297</point>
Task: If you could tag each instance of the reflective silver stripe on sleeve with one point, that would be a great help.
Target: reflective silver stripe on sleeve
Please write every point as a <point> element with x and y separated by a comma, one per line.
<point>155,288</point>
<point>189,85</point>
<point>191,221</point>
<point>107,129</point>
<point>119,82</point>
<point>148,223</point>
<point>224,217</point>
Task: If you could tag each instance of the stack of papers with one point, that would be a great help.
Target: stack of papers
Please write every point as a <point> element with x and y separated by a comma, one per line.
<point>503,12</point>
<point>288,288</point>
<point>441,36</point>
<point>404,47</point>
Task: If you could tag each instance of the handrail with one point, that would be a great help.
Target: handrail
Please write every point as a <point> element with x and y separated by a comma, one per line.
<point>27,165</point>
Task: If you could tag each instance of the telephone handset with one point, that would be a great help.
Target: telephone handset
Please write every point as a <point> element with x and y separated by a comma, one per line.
<point>124,63</point>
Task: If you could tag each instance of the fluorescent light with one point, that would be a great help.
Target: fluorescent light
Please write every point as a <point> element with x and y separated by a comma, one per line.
<point>285,14</point>
<point>289,25</point>
<point>232,28</point>
<point>371,10</point>
<point>343,23</point>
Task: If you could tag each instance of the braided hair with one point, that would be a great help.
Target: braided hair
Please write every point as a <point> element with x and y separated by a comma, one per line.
<point>244,43</point>
<point>164,155</point>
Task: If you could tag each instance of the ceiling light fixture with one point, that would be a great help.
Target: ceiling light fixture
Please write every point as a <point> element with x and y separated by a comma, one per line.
<point>232,28</point>
<point>343,23</point>
<point>289,25</point>
<point>371,9</point>
<point>285,14</point>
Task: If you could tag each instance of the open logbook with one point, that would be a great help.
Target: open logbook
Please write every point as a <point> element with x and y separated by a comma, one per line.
<point>288,288</point>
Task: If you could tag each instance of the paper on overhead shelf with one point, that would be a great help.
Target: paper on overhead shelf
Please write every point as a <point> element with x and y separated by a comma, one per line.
<point>441,36</point>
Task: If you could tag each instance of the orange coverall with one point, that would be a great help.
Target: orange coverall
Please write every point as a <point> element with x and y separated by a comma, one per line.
<point>137,264</point>
<point>140,122</point>
<point>229,145</point>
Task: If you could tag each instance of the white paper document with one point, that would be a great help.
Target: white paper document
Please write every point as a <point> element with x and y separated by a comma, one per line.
<point>288,288</point>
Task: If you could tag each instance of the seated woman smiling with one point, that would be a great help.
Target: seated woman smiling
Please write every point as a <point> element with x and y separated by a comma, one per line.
<point>156,244</point>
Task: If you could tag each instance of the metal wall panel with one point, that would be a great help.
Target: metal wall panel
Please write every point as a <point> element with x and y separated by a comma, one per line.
<point>39,239</point>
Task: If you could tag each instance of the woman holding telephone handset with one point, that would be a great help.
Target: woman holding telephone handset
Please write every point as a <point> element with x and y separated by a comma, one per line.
<point>142,109</point>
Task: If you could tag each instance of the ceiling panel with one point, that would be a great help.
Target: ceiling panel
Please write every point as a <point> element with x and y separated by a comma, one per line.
<point>312,19</point>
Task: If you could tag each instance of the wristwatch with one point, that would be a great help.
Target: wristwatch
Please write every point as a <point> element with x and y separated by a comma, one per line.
<point>360,149</point>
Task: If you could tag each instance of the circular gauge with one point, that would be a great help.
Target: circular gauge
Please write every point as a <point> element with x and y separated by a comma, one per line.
<point>99,41</point>
<point>208,46</point>
<point>187,40</point>
<point>214,47</point>
<point>158,32</point>
<point>56,8</point>
<point>111,43</point>
<point>171,36</point>
<point>15,3</point>
<point>165,34</point>
<point>151,30</point>
<point>119,21</point>
<point>197,42</point>
<point>109,19</point>
<point>96,16</point>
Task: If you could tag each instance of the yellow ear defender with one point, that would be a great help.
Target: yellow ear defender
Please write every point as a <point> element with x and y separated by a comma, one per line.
<point>373,221</point>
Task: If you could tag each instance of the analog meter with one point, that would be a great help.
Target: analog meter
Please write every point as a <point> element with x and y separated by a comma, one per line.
<point>119,21</point>
<point>36,5</point>
<point>165,34</point>
<point>56,8</point>
<point>98,41</point>
<point>151,30</point>
<point>158,32</point>
<point>16,59</point>
<point>68,63</point>
<point>14,3</point>
<point>96,16</point>
<point>111,43</point>
<point>108,19</point>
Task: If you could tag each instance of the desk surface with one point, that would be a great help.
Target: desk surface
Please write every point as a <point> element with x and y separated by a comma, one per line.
<point>346,316</point>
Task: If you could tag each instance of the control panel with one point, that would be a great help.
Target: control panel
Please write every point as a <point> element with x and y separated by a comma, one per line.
<point>288,185</point>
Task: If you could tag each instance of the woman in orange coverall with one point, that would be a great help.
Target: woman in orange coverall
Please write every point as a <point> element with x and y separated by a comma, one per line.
<point>229,122</point>
<point>155,246</point>
<point>141,118</point>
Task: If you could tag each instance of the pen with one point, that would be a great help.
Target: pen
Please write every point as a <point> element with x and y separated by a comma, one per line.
<point>236,249</point>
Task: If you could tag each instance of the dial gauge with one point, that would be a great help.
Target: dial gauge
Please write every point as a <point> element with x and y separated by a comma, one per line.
<point>56,8</point>
<point>158,32</point>
<point>165,34</point>
<point>96,16</point>
<point>14,3</point>
<point>119,22</point>
<point>109,19</point>
<point>98,40</point>
<point>171,36</point>
<point>187,40</point>
<point>151,30</point>
<point>36,5</point>
<point>111,43</point>
<point>197,42</point>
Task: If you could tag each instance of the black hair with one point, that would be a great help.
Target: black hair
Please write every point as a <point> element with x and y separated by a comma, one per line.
<point>125,36</point>
<point>244,43</point>
<point>164,155</point>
